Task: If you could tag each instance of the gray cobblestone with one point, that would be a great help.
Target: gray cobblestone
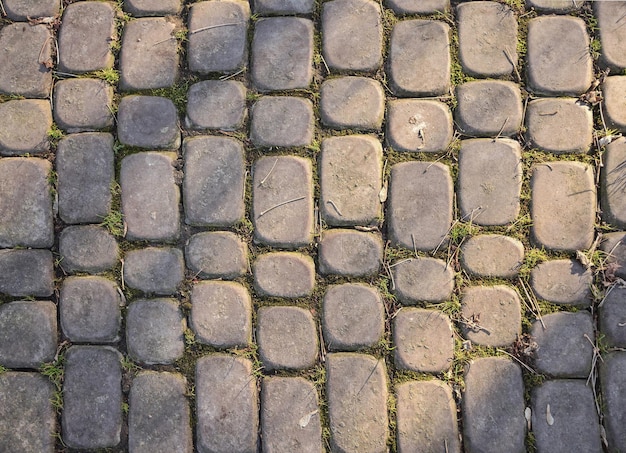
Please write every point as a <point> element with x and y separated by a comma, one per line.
<point>284,121</point>
<point>612,35</point>
<point>352,103</point>
<point>83,105</point>
<point>422,7</point>
<point>26,273</point>
<point>22,9</point>
<point>613,106</point>
<point>612,188</point>
<point>217,254</point>
<point>492,255</point>
<point>216,104</point>
<point>148,122</point>
<point>87,248</point>
<point>24,127</point>
<point>562,282</point>
<point>351,253</point>
<point>140,8</point>
<point>612,316</point>
<point>612,383</point>
<point>154,270</point>
<point>283,7</point>
<point>614,245</point>
<point>422,280</point>
<point>284,274</point>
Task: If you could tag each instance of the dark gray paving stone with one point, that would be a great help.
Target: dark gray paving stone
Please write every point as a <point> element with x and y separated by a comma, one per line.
<point>283,7</point>
<point>92,397</point>
<point>282,201</point>
<point>553,6</point>
<point>290,418</point>
<point>487,39</point>
<point>284,274</point>
<point>614,107</point>
<point>28,333</point>
<point>214,180</point>
<point>27,418</point>
<point>488,108</point>
<point>614,245</point>
<point>87,248</point>
<point>140,8</point>
<point>352,317</point>
<point>612,34</point>
<point>422,280</point>
<point>217,254</point>
<point>158,419</point>
<point>148,217</point>
<point>284,121</point>
<point>221,314</point>
<point>563,205</point>
<point>148,122</point>
<point>558,60</point>
<point>564,282</point>
<point>421,7</point>
<point>149,57</point>
<point>25,53</point>
<point>350,172</point>
<point>426,417</point>
<point>612,188</point>
<point>423,340</point>
<point>612,316</point>
<point>492,255</point>
<point>282,54</point>
<point>419,58</point>
<point>85,171</point>
<point>613,386</point>
<point>575,425</point>
<point>23,9</point>
<point>154,270</point>
<point>351,253</point>
<point>26,203</point>
<point>491,315</point>
<point>559,125</point>
<point>226,405</point>
<point>213,46</point>
<point>419,208</point>
<point>90,310</point>
<point>154,331</point>
<point>419,125</point>
<point>352,103</point>
<point>356,388</point>
<point>287,338</point>
<point>26,273</point>
<point>24,127</point>
<point>216,104</point>
<point>85,37</point>
<point>83,105</point>
<point>493,406</point>
<point>490,181</point>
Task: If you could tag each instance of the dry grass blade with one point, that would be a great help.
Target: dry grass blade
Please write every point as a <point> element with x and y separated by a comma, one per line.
<point>281,204</point>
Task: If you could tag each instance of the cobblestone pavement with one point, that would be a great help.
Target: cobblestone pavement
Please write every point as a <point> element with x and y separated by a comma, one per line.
<point>312,226</point>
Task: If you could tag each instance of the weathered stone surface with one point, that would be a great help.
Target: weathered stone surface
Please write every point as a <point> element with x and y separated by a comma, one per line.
<point>289,415</point>
<point>422,280</point>
<point>285,121</point>
<point>287,338</point>
<point>226,405</point>
<point>154,270</point>
<point>214,179</point>
<point>564,282</point>
<point>349,252</point>
<point>352,317</point>
<point>614,106</point>
<point>350,170</point>
<point>85,37</point>
<point>87,248</point>
<point>613,189</point>
<point>419,209</point>
<point>24,52</point>
<point>555,6</point>
<point>564,347</point>
<point>418,125</point>
<point>492,255</point>
<point>154,331</point>
<point>284,274</point>
<point>282,53</point>
<point>559,125</point>
<point>575,425</point>
<point>148,122</point>
<point>217,254</point>
<point>421,7</point>
<point>158,418</point>
<point>27,419</point>
<point>612,316</point>
<point>357,402</point>
<point>423,340</point>
<point>614,245</point>
<point>147,216</point>
<point>25,204</point>
<point>26,273</point>
<point>426,417</point>
<point>283,7</point>
<point>23,9</point>
<point>24,127</point>
<point>28,333</point>
<point>216,104</point>
<point>563,205</point>
<point>214,47</point>
<point>352,35</point>
<point>92,397</point>
<point>558,60</point>
<point>221,314</point>
<point>90,310</point>
<point>152,7</point>
<point>85,171</point>
<point>487,38</point>
<point>83,105</point>
<point>613,385</point>
<point>612,34</point>
<point>493,406</point>
<point>419,58</point>
<point>352,102</point>
<point>491,315</point>
<point>282,202</point>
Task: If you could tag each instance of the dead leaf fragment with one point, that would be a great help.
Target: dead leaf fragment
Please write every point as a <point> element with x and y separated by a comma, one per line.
<point>528,416</point>
<point>382,195</point>
<point>304,421</point>
<point>584,260</point>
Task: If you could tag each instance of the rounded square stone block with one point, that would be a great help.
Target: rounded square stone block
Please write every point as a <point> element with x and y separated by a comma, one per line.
<point>422,280</point>
<point>87,248</point>
<point>350,252</point>
<point>553,6</point>
<point>83,105</point>
<point>612,34</point>
<point>418,7</point>
<point>216,104</point>
<point>614,105</point>
<point>565,282</point>
<point>613,386</point>
<point>284,121</point>
<point>24,127</point>
<point>612,316</point>
<point>148,122</point>
<point>492,255</point>
<point>140,8</point>
<point>283,7</point>
<point>612,187</point>
<point>154,270</point>
<point>352,102</point>
<point>284,274</point>
<point>217,254</point>
<point>614,245</point>
<point>23,9</point>
<point>26,273</point>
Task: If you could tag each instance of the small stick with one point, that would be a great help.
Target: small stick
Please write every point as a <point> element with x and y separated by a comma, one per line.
<point>520,362</point>
<point>66,74</point>
<point>414,247</point>
<point>122,273</point>
<point>400,262</point>
<point>502,128</point>
<point>210,27</point>
<point>325,65</point>
<point>4,11</point>
<point>281,204</point>
<point>510,58</point>
<point>268,175</point>
<point>332,203</point>
<point>235,74</point>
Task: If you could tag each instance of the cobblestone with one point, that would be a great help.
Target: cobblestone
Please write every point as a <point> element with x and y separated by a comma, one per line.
<point>22,9</point>
<point>422,280</point>
<point>562,282</point>
<point>139,8</point>
<point>614,107</point>
<point>154,270</point>
<point>216,104</point>
<point>284,274</point>
<point>148,122</point>
<point>612,187</point>
<point>612,383</point>
<point>422,7</point>
<point>611,34</point>
<point>286,7</point>
<point>26,273</point>
<point>83,105</point>
<point>553,6</point>
<point>216,254</point>
<point>612,316</point>
<point>284,121</point>
<point>350,253</point>
<point>87,248</point>
<point>24,128</point>
<point>614,245</point>
<point>492,255</point>
<point>352,103</point>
